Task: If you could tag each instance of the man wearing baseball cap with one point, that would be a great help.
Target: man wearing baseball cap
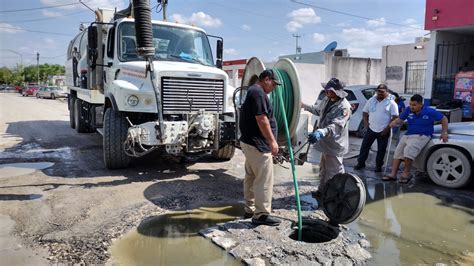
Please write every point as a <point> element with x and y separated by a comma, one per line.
<point>258,142</point>
<point>331,132</point>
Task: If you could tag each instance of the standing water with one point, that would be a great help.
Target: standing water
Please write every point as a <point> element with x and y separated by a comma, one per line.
<point>173,239</point>
<point>410,227</point>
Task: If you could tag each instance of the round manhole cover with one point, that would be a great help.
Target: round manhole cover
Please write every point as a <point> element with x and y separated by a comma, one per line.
<point>343,198</point>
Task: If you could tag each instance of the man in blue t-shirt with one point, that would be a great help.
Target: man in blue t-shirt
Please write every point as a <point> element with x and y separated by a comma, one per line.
<point>420,120</point>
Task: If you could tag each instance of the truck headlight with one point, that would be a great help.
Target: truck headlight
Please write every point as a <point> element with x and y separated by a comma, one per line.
<point>132,100</point>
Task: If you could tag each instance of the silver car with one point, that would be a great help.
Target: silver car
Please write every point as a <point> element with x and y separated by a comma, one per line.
<point>449,164</point>
<point>357,95</point>
<point>50,92</point>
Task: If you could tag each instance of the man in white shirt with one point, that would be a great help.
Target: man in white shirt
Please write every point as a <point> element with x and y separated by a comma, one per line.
<point>377,114</point>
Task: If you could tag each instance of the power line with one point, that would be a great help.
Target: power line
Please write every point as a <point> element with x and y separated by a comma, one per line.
<point>53,57</point>
<point>353,15</point>
<point>40,19</point>
<point>36,8</point>
<point>36,31</point>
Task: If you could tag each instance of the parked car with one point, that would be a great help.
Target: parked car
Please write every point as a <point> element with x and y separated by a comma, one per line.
<point>449,164</point>
<point>50,92</point>
<point>30,90</point>
<point>357,95</point>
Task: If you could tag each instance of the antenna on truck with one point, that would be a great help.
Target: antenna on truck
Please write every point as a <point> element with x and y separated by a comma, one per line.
<point>86,6</point>
<point>163,4</point>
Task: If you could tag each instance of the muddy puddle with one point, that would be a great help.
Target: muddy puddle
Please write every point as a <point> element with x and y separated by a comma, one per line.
<point>408,227</point>
<point>173,239</point>
<point>18,169</point>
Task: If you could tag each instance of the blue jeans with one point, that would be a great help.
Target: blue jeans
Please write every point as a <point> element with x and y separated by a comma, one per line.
<point>369,138</point>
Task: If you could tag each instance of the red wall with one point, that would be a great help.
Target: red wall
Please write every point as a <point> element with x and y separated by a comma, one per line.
<point>451,13</point>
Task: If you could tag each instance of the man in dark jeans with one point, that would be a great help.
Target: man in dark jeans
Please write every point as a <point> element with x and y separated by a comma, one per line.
<point>377,114</point>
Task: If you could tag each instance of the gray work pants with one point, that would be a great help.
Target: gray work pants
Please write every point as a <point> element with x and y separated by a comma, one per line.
<point>329,166</point>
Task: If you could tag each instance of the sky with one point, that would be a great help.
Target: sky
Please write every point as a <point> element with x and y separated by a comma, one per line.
<point>261,28</point>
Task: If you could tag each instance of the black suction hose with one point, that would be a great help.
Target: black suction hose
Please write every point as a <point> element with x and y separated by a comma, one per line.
<point>144,35</point>
<point>143,28</point>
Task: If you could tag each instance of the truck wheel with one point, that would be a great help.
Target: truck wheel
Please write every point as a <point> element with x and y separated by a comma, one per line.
<point>225,153</point>
<point>81,127</point>
<point>72,121</point>
<point>115,134</point>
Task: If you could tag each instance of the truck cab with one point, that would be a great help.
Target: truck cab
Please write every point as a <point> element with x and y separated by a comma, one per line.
<point>183,105</point>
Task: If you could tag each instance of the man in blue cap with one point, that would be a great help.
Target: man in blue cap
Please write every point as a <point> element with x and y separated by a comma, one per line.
<point>331,136</point>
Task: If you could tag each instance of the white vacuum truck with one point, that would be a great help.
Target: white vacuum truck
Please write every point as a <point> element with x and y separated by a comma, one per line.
<point>148,85</point>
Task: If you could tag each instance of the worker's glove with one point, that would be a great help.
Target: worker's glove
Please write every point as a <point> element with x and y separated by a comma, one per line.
<point>315,136</point>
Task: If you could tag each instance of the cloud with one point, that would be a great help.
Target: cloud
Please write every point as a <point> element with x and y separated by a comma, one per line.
<point>376,22</point>
<point>49,41</point>
<point>410,21</point>
<point>48,13</point>
<point>231,51</point>
<point>199,18</point>
<point>304,16</point>
<point>9,28</point>
<point>300,17</point>
<point>246,27</point>
<point>369,42</point>
<point>293,26</point>
<point>318,38</point>
<point>342,24</point>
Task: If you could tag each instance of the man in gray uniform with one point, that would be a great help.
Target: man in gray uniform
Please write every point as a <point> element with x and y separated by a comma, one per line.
<point>331,136</point>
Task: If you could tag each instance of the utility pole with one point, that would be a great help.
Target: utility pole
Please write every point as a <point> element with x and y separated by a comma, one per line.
<point>37,68</point>
<point>298,49</point>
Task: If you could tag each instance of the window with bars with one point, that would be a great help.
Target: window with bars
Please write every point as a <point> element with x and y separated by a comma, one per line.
<point>415,77</point>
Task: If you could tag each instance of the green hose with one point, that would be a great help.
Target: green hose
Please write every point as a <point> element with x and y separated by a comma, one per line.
<point>282,100</point>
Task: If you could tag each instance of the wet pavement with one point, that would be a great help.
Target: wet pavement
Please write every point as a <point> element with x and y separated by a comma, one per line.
<point>58,203</point>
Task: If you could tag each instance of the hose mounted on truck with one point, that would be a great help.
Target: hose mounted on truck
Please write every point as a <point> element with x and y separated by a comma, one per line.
<point>146,49</point>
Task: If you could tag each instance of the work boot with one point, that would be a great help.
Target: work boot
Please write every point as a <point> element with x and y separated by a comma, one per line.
<point>248,215</point>
<point>316,195</point>
<point>358,166</point>
<point>266,220</point>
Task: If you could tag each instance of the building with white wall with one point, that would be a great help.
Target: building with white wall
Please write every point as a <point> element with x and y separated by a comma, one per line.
<point>403,66</point>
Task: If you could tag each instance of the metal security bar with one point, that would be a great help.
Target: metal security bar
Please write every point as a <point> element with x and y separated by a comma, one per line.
<point>415,77</point>
<point>450,58</point>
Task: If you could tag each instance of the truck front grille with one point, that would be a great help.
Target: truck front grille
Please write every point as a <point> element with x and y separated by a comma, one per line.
<point>182,95</point>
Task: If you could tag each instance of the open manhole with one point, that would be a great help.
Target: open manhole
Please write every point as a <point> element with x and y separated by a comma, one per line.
<point>315,231</point>
<point>342,200</point>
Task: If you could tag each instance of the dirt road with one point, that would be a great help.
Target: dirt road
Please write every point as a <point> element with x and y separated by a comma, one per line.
<point>69,212</point>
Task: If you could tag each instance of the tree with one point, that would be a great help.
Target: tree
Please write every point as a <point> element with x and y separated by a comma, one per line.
<point>5,75</point>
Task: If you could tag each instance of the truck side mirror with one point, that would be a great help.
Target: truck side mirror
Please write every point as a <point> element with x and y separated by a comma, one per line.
<point>92,46</point>
<point>219,53</point>
<point>92,37</point>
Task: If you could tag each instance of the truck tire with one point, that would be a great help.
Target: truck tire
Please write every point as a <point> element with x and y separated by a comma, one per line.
<point>225,153</point>
<point>115,134</point>
<point>81,126</point>
<point>72,122</point>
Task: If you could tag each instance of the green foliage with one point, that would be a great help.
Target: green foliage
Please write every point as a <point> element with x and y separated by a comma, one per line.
<point>29,74</point>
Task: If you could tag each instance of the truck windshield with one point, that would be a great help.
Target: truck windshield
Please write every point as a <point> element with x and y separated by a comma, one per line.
<point>171,44</point>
